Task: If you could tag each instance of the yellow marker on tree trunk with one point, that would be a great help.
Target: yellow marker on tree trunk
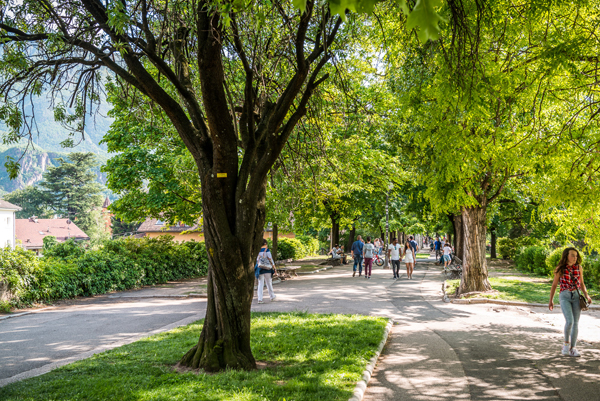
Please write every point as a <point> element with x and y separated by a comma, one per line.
<point>221,175</point>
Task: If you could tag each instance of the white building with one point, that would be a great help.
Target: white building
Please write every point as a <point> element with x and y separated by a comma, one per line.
<point>7,224</point>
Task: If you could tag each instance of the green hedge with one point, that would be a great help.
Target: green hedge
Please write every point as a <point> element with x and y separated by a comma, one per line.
<point>542,261</point>
<point>68,269</point>
<point>290,248</point>
<point>508,247</point>
<point>533,259</point>
<point>310,244</point>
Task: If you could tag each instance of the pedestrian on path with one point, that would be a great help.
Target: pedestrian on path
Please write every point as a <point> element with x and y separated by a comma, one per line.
<point>415,248</point>
<point>447,252</point>
<point>570,276</point>
<point>357,254</point>
<point>368,253</point>
<point>264,270</point>
<point>410,259</point>
<point>394,252</point>
<point>438,248</point>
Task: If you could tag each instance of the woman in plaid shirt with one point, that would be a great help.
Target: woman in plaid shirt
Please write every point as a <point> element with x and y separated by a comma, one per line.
<point>570,276</point>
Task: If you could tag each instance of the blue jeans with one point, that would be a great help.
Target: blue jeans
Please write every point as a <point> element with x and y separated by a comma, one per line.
<point>358,261</point>
<point>569,304</point>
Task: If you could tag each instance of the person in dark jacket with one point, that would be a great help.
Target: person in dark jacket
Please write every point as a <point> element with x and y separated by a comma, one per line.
<point>357,254</point>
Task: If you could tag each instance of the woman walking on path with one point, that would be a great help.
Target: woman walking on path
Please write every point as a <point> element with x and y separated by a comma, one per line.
<point>264,270</point>
<point>570,276</point>
<point>410,259</point>
<point>368,252</point>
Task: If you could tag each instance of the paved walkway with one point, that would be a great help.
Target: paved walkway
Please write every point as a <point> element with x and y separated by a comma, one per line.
<point>436,351</point>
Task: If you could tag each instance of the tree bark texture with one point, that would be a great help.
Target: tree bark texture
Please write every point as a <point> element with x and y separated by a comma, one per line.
<point>475,273</point>
<point>335,230</point>
<point>275,241</point>
<point>459,236</point>
<point>350,238</point>
<point>493,254</point>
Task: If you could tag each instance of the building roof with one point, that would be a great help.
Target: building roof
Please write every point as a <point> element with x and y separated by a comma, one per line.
<point>157,226</point>
<point>8,206</point>
<point>32,231</point>
<point>106,203</point>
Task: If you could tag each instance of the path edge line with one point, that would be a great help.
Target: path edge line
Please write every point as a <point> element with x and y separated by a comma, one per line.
<point>361,386</point>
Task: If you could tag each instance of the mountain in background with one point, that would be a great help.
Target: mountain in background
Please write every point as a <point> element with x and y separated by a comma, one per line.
<point>45,146</point>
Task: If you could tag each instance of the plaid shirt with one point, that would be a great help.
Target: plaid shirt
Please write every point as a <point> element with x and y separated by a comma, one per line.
<point>568,284</point>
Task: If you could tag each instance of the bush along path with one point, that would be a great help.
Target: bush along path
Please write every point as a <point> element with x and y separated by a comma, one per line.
<point>70,269</point>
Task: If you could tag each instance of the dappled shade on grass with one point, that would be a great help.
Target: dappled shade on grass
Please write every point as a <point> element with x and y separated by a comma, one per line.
<point>510,289</point>
<point>312,357</point>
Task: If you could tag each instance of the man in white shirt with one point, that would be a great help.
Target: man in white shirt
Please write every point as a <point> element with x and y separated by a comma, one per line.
<point>394,252</point>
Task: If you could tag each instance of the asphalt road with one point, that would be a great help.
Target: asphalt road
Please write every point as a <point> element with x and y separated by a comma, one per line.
<point>32,344</point>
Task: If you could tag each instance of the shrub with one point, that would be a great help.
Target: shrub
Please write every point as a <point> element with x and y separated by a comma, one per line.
<point>591,273</point>
<point>64,250</point>
<point>290,248</point>
<point>553,259</point>
<point>67,270</point>
<point>509,247</point>
<point>18,271</point>
<point>533,259</point>
<point>310,244</point>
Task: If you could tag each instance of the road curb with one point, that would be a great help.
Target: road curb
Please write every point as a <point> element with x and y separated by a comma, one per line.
<point>158,296</point>
<point>361,386</point>
<point>15,315</point>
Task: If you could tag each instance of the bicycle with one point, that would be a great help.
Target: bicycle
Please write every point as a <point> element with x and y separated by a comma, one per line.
<point>377,260</point>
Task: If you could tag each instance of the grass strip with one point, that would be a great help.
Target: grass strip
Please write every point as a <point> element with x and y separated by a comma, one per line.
<point>513,289</point>
<point>309,357</point>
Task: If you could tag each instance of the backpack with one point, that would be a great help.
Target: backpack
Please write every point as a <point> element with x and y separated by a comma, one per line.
<point>368,250</point>
<point>263,260</point>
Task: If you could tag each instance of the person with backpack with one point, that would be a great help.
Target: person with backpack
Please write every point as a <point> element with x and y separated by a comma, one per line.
<point>394,253</point>
<point>357,254</point>
<point>570,276</point>
<point>410,259</point>
<point>368,254</point>
<point>264,270</point>
<point>415,248</point>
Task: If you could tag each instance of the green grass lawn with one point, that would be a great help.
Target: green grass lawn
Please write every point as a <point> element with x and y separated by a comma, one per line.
<point>310,268</point>
<point>311,357</point>
<point>517,290</point>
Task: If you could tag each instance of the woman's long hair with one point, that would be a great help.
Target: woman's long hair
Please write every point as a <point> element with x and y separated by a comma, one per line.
<point>562,265</point>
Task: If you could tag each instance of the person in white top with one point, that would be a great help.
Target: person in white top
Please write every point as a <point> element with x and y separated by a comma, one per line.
<point>369,253</point>
<point>264,270</point>
<point>335,252</point>
<point>394,252</point>
<point>410,259</point>
<point>447,253</point>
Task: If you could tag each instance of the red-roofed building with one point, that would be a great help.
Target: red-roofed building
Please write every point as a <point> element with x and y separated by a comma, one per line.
<point>31,232</point>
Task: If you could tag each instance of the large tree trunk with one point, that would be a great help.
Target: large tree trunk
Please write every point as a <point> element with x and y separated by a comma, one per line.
<point>275,241</point>
<point>335,230</point>
<point>350,238</point>
<point>225,338</point>
<point>475,274</point>
<point>494,238</point>
<point>459,236</point>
